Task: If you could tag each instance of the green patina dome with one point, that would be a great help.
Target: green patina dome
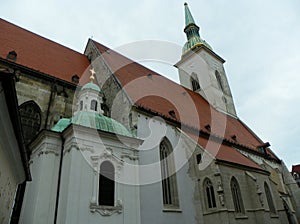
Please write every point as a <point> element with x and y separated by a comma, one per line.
<point>91,85</point>
<point>92,120</point>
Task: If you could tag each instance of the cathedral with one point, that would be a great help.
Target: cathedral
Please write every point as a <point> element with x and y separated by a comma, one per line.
<point>99,138</point>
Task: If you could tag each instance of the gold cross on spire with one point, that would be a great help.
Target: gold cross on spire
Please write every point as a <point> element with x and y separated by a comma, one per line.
<point>92,74</point>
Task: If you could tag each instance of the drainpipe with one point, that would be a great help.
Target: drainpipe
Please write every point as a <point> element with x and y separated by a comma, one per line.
<point>49,104</point>
<point>59,177</point>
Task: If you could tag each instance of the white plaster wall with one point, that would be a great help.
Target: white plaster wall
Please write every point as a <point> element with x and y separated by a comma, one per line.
<point>205,65</point>
<point>78,175</point>
<point>11,168</point>
<point>40,194</point>
<point>152,210</point>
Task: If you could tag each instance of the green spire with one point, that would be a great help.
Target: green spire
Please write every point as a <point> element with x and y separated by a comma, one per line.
<point>192,33</point>
<point>188,16</point>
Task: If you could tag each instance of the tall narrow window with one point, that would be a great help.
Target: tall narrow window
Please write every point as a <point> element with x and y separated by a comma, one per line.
<point>269,199</point>
<point>195,82</point>
<point>31,118</point>
<point>107,184</point>
<point>94,105</point>
<point>210,194</point>
<point>236,196</point>
<point>81,105</point>
<point>219,80</point>
<point>169,182</point>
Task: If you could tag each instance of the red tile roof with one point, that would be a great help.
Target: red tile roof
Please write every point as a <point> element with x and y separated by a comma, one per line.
<point>296,169</point>
<point>159,94</point>
<point>146,88</point>
<point>224,152</point>
<point>41,54</point>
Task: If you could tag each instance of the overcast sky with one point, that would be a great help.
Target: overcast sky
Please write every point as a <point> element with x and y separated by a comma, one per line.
<point>260,41</point>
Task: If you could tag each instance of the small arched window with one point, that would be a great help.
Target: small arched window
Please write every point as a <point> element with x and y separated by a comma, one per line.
<point>219,80</point>
<point>169,182</point>
<point>269,199</point>
<point>94,105</point>
<point>81,105</point>
<point>236,196</point>
<point>209,194</point>
<point>195,82</point>
<point>107,184</point>
<point>31,118</point>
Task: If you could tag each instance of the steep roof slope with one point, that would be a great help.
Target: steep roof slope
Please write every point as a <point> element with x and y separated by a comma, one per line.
<point>155,93</point>
<point>41,54</point>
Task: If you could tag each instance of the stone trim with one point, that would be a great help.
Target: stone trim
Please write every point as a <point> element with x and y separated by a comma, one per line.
<point>107,210</point>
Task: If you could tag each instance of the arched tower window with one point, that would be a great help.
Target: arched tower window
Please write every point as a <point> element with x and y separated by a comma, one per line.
<point>107,184</point>
<point>269,199</point>
<point>81,105</point>
<point>195,82</point>
<point>209,194</point>
<point>236,196</point>
<point>31,119</point>
<point>168,174</point>
<point>94,105</point>
<point>219,80</point>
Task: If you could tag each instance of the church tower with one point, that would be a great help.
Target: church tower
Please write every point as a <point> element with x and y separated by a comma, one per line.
<point>201,69</point>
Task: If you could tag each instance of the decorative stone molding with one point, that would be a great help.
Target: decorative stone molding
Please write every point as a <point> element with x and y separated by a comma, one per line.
<point>87,149</point>
<point>130,157</point>
<point>107,210</point>
<point>48,151</point>
<point>46,148</point>
<point>96,160</point>
<point>69,147</point>
<point>220,191</point>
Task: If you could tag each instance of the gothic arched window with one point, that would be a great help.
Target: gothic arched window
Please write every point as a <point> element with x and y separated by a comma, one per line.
<point>195,82</point>
<point>107,184</point>
<point>94,105</point>
<point>209,194</point>
<point>168,175</point>
<point>270,199</point>
<point>236,196</point>
<point>219,80</point>
<point>31,119</point>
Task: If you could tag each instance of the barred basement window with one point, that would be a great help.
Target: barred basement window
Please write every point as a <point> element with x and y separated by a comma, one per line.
<point>169,182</point>
<point>107,184</point>
<point>237,197</point>
<point>270,199</point>
<point>94,105</point>
<point>30,114</point>
<point>195,82</point>
<point>210,194</point>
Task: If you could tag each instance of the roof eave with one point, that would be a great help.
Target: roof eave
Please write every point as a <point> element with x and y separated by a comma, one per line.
<point>191,52</point>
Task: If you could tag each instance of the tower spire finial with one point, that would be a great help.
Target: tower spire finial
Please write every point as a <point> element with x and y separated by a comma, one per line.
<point>192,32</point>
<point>188,15</point>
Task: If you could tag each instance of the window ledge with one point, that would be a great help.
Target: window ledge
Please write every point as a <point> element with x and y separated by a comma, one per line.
<point>106,210</point>
<point>274,216</point>
<point>170,209</point>
<point>241,216</point>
